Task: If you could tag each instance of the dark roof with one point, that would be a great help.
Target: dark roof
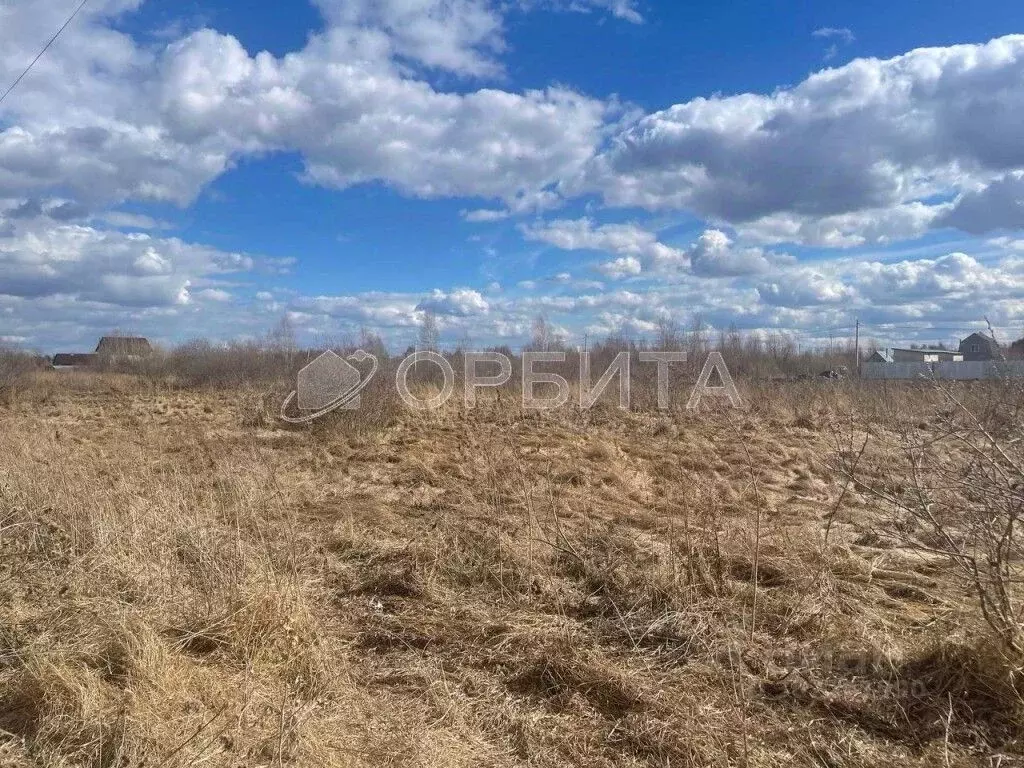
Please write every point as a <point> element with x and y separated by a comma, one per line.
<point>123,345</point>
<point>73,358</point>
<point>926,350</point>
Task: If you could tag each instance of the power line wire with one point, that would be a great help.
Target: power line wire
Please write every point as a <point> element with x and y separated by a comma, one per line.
<point>45,49</point>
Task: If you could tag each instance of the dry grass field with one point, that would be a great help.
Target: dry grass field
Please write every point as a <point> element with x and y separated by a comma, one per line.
<point>184,582</point>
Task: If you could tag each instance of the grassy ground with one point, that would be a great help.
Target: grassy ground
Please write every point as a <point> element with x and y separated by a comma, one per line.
<point>185,582</point>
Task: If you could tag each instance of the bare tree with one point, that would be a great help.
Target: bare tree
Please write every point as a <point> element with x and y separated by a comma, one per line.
<point>430,333</point>
<point>669,334</point>
<point>465,342</point>
<point>541,337</point>
<point>282,336</point>
<point>733,340</point>
<point>697,343</point>
<point>371,342</point>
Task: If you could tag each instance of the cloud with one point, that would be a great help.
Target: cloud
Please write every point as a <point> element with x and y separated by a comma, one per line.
<point>871,135</point>
<point>88,265</point>
<point>1007,243</point>
<point>482,215</point>
<point>56,209</point>
<point>356,121</point>
<point>377,309</point>
<point>109,120</point>
<point>638,250</point>
<point>714,255</point>
<point>954,276</point>
<point>214,294</point>
<point>151,263</point>
<point>1000,205</point>
<point>869,153</point>
<point>636,246</point>
<point>622,9</point>
<point>160,124</point>
<point>878,226</point>
<point>837,33</point>
<point>934,289</point>
<point>87,119</point>
<point>624,266</point>
<point>460,36</point>
<point>138,290</point>
<point>804,288</point>
<point>124,220</point>
<point>461,302</point>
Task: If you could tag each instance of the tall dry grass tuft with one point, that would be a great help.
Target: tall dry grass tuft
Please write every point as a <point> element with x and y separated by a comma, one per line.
<point>160,607</point>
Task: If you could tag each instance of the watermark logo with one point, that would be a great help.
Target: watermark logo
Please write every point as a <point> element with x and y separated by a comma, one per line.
<point>328,383</point>
<point>331,382</point>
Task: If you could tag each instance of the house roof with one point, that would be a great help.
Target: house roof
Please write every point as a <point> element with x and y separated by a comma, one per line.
<point>927,351</point>
<point>123,345</point>
<point>72,358</point>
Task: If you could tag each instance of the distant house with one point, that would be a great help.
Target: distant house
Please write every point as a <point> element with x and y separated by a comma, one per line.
<point>123,347</point>
<point>978,346</point>
<point>111,349</point>
<point>901,355</point>
<point>879,356</point>
<point>1017,349</point>
<point>72,360</point>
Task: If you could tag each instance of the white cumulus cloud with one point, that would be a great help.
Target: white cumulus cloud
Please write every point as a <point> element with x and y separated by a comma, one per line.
<point>869,136</point>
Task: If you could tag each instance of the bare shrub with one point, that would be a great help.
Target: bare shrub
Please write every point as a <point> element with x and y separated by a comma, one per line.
<point>16,369</point>
<point>200,364</point>
<point>379,408</point>
<point>953,494</point>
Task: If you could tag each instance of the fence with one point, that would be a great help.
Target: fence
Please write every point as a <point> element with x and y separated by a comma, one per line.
<point>896,370</point>
<point>955,371</point>
<point>980,369</point>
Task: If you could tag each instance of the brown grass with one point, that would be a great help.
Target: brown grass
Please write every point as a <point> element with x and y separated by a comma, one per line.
<point>185,582</point>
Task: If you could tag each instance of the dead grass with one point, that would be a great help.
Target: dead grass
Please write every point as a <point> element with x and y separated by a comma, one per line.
<point>184,582</point>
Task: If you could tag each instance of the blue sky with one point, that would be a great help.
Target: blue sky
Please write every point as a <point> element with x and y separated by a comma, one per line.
<point>202,169</point>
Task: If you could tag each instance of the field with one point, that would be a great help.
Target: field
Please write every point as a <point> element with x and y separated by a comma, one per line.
<point>184,581</point>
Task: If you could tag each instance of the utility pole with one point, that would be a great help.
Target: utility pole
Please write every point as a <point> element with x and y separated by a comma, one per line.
<point>856,343</point>
<point>586,356</point>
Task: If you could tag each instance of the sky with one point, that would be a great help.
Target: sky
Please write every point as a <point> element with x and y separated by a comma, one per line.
<point>182,170</point>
